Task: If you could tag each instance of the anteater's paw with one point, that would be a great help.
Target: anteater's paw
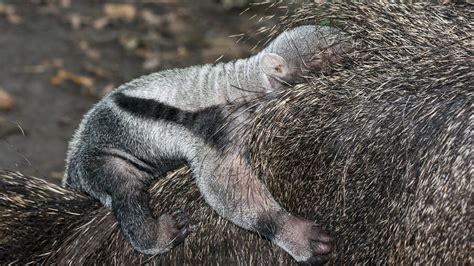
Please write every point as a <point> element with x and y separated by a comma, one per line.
<point>320,245</point>
<point>306,242</point>
<point>171,229</point>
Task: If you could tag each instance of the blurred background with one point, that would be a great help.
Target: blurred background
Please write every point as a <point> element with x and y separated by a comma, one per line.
<point>58,57</point>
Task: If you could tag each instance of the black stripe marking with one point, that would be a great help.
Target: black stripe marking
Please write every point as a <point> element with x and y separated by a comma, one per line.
<point>207,123</point>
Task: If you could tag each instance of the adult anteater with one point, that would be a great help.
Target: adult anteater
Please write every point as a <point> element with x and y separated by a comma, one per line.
<point>380,153</point>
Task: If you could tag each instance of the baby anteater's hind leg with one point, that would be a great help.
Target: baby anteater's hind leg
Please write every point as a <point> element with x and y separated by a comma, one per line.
<point>127,185</point>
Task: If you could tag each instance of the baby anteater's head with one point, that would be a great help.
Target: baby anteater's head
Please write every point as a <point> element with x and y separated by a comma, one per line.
<point>304,50</point>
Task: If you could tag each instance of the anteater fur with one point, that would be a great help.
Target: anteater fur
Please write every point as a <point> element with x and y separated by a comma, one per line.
<point>380,153</point>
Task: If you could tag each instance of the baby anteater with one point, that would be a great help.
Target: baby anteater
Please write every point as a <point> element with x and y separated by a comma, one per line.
<point>159,122</point>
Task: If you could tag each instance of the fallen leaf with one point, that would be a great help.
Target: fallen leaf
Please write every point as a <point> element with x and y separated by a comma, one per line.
<point>89,51</point>
<point>120,11</point>
<point>176,23</point>
<point>98,71</point>
<point>75,20</point>
<point>152,60</point>
<point>107,89</point>
<point>9,12</point>
<point>44,66</point>
<point>5,9</point>
<point>151,18</point>
<point>151,63</point>
<point>83,81</point>
<point>182,52</point>
<point>7,102</point>
<point>14,19</point>
<point>144,53</point>
<point>101,23</point>
<point>36,69</point>
<point>129,43</point>
<point>66,3</point>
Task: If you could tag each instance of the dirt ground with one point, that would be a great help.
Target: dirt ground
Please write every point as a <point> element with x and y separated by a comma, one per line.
<point>58,57</point>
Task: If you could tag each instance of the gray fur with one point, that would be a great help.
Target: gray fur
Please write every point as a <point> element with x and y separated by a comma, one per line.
<point>119,149</point>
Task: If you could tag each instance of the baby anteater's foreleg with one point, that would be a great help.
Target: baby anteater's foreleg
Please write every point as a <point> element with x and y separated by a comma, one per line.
<point>232,189</point>
<point>127,184</point>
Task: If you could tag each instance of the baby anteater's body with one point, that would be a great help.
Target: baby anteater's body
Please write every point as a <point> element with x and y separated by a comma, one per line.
<point>159,122</point>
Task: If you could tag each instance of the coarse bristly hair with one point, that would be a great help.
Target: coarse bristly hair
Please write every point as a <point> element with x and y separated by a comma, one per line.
<point>379,152</point>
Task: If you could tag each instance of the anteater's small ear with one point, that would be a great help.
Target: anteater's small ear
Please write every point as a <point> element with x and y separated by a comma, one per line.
<point>274,65</point>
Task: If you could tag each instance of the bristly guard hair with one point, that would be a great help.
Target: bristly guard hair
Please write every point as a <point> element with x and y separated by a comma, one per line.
<point>381,152</point>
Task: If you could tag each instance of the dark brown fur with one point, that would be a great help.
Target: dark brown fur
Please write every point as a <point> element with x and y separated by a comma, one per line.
<point>380,153</point>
